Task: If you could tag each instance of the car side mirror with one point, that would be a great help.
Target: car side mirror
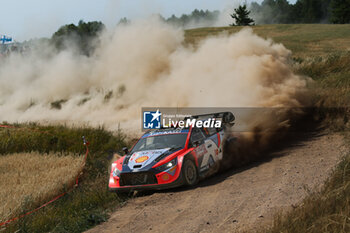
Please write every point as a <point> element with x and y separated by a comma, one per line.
<point>196,143</point>
<point>126,150</point>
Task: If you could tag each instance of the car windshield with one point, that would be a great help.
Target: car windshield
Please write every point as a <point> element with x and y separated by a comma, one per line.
<point>172,141</point>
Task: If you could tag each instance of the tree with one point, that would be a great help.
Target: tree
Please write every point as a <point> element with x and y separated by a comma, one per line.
<point>340,11</point>
<point>123,21</point>
<point>195,18</point>
<point>272,11</point>
<point>303,11</point>
<point>310,11</point>
<point>83,36</point>
<point>241,16</point>
<point>283,9</point>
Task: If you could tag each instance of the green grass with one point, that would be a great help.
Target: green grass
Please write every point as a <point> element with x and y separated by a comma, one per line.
<point>27,138</point>
<point>84,206</point>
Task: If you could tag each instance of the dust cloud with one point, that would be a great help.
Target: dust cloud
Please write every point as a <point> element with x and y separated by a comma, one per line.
<point>147,63</point>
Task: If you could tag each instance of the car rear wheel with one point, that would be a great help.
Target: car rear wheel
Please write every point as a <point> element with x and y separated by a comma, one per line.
<point>190,173</point>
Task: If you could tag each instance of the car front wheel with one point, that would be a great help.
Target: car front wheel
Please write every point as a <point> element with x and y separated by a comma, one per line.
<point>190,173</point>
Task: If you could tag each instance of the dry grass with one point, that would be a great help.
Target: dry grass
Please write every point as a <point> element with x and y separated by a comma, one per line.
<point>83,207</point>
<point>325,211</point>
<point>29,179</point>
<point>305,40</point>
<point>322,52</point>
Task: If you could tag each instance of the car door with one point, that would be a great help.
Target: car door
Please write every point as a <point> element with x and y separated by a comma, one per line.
<point>197,141</point>
<point>215,136</point>
<point>210,157</point>
<point>203,148</point>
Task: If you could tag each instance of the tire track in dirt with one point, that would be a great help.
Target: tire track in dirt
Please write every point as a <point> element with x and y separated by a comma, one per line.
<point>238,200</point>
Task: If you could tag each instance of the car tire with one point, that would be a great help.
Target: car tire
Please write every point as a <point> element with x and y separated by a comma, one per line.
<point>189,173</point>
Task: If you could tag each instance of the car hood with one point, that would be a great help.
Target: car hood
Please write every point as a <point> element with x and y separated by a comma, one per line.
<point>142,159</point>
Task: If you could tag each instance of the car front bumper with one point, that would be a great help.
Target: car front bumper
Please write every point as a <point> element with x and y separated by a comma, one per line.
<point>176,183</point>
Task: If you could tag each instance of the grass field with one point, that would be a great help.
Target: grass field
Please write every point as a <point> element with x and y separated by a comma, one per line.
<point>84,206</point>
<point>304,40</point>
<point>321,52</point>
<point>29,179</point>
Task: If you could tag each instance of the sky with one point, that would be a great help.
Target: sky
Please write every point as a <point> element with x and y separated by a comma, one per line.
<point>25,19</point>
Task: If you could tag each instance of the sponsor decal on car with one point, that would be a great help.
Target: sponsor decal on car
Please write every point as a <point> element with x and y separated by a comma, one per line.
<point>145,157</point>
<point>142,159</point>
<point>158,133</point>
<point>165,177</point>
<point>200,151</point>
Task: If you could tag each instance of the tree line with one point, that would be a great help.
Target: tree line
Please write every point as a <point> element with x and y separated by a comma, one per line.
<point>84,35</point>
<point>303,11</point>
<point>195,18</point>
<point>274,12</point>
<point>281,12</point>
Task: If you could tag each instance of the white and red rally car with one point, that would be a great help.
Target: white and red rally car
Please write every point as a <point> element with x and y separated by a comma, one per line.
<point>171,157</point>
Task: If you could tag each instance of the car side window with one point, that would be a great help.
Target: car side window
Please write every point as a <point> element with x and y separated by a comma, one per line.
<point>205,132</point>
<point>212,131</point>
<point>196,135</point>
<point>209,131</point>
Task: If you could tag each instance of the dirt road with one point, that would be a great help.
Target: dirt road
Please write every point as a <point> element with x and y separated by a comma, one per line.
<point>236,200</point>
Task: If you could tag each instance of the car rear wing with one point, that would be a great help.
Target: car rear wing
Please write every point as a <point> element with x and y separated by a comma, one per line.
<point>227,117</point>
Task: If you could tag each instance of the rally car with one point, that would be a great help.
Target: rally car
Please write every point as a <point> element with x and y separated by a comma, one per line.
<point>171,157</point>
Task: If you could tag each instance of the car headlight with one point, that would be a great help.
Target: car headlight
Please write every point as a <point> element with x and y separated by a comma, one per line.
<point>116,172</point>
<point>167,165</point>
